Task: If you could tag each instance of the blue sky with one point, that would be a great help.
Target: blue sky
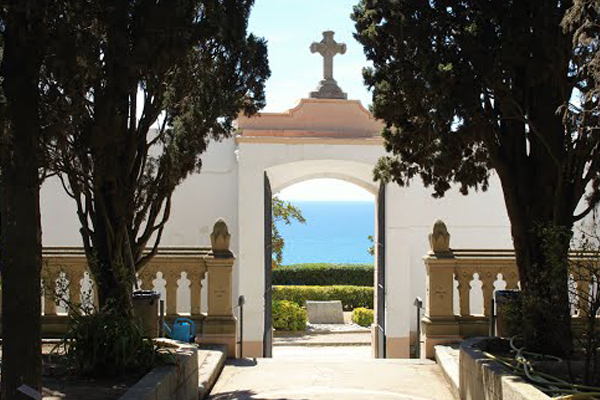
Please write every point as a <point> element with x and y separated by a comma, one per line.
<point>290,26</point>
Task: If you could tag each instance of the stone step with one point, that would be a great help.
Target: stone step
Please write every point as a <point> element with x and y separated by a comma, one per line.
<point>329,339</point>
<point>211,360</point>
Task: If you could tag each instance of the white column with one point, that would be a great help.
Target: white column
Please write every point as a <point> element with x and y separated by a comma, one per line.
<point>251,253</point>
<point>399,308</point>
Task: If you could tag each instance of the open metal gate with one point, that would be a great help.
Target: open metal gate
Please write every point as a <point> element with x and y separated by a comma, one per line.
<point>268,329</point>
<point>380,265</point>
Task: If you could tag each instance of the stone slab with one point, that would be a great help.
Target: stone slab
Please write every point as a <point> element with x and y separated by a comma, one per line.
<point>325,312</point>
<point>447,358</point>
<point>483,378</point>
<point>323,378</point>
<point>169,382</point>
<point>211,360</point>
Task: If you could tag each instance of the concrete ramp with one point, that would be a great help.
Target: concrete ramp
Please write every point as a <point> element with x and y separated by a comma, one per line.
<point>327,379</point>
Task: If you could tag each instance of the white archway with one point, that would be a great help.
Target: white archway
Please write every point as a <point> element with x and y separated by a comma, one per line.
<point>288,174</point>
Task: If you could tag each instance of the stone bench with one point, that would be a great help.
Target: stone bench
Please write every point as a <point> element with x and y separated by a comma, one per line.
<point>325,312</point>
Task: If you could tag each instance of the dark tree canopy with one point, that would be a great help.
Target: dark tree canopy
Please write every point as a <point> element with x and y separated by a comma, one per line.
<point>469,86</point>
<point>134,91</point>
<point>472,86</point>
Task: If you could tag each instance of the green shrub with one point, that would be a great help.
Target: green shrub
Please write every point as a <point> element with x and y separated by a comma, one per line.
<point>324,274</point>
<point>102,344</point>
<point>350,296</point>
<point>362,316</point>
<point>288,316</point>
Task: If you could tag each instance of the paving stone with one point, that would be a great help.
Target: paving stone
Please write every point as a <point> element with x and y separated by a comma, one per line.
<point>334,378</point>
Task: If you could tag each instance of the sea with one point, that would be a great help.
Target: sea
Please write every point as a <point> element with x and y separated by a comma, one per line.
<point>334,232</point>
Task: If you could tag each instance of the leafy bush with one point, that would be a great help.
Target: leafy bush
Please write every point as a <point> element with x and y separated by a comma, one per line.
<point>362,316</point>
<point>288,316</point>
<point>324,274</point>
<point>350,296</point>
<point>102,344</point>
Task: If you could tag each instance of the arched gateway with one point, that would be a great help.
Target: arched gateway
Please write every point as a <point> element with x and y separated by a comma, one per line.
<point>324,135</point>
<point>319,138</point>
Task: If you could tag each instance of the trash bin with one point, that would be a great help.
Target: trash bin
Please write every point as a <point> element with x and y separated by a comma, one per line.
<point>508,306</point>
<point>145,311</point>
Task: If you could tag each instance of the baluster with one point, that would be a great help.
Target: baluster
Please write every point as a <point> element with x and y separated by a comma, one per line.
<point>583,296</point>
<point>49,293</point>
<point>74,278</point>
<point>464,278</point>
<point>171,278</point>
<point>147,277</point>
<point>487,288</point>
<point>95,293</point>
<point>195,292</point>
<point>512,278</point>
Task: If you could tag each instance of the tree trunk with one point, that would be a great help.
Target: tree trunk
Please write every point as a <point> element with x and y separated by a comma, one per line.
<point>20,237</point>
<point>541,225</point>
<point>542,258</point>
<point>114,275</point>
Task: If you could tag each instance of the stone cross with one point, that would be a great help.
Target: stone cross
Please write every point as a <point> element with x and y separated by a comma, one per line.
<point>328,48</point>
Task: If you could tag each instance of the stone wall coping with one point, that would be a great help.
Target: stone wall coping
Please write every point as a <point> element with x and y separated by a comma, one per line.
<point>344,140</point>
<point>166,382</point>
<point>483,378</point>
<point>495,255</point>
<point>70,251</point>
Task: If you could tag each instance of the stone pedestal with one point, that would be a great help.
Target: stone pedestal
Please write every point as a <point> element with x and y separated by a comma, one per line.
<point>328,89</point>
<point>220,325</point>
<point>439,322</point>
<point>220,330</point>
<point>439,330</point>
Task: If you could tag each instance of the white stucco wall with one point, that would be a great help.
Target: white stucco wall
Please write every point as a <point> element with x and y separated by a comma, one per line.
<point>231,186</point>
<point>196,205</point>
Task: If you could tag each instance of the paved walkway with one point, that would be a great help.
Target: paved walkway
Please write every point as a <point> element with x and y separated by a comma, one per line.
<point>327,339</point>
<point>334,378</point>
<point>315,352</point>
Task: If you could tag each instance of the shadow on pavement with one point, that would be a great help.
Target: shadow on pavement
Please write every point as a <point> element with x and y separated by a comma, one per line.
<point>242,362</point>
<point>244,395</point>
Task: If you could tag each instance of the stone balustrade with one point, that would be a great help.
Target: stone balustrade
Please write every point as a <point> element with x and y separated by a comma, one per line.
<point>178,273</point>
<point>456,277</point>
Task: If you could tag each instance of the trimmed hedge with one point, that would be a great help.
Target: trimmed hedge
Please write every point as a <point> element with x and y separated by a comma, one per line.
<point>362,316</point>
<point>288,316</point>
<point>351,296</point>
<point>324,274</point>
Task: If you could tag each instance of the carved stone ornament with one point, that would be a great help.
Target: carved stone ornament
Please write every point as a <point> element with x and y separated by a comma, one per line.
<point>439,239</point>
<point>220,237</point>
<point>328,48</point>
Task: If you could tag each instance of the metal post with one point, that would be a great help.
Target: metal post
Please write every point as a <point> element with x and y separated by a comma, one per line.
<point>492,319</point>
<point>241,301</point>
<point>161,321</point>
<point>419,304</point>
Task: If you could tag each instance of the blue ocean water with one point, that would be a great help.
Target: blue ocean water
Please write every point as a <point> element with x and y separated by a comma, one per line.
<point>335,232</point>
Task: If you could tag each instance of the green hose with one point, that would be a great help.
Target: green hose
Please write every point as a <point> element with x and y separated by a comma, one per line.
<point>549,384</point>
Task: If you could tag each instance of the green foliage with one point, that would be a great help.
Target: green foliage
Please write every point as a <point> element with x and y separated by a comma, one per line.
<point>585,267</point>
<point>286,212</point>
<point>350,296</point>
<point>104,344</point>
<point>465,89</point>
<point>324,274</point>
<point>371,249</point>
<point>362,316</point>
<point>134,92</point>
<point>288,316</point>
<point>512,312</point>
